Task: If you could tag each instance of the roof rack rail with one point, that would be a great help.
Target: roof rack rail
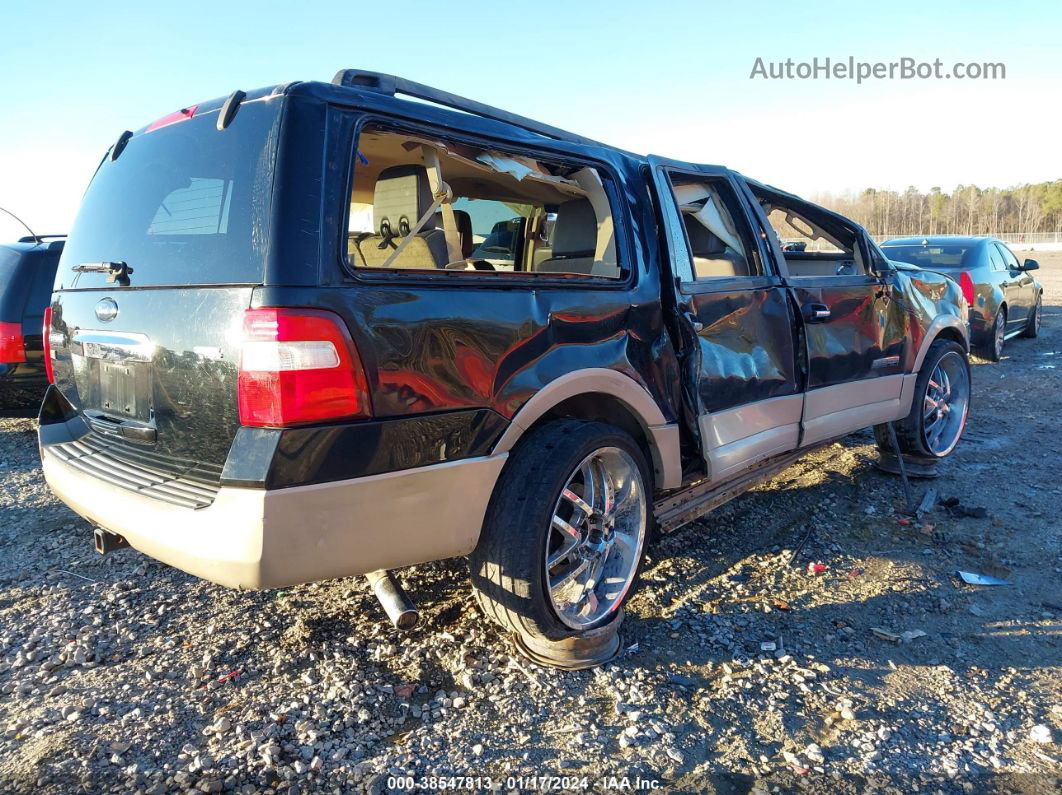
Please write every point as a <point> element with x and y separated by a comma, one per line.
<point>40,238</point>
<point>391,85</point>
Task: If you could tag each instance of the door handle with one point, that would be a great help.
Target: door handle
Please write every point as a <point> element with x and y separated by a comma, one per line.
<point>815,313</point>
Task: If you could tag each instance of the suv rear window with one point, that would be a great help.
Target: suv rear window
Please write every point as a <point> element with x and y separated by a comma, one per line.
<point>931,256</point>
<point>182,204</point>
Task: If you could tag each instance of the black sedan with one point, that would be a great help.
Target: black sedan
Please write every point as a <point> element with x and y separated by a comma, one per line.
<point>27,272</point>
<point>1005,300</point>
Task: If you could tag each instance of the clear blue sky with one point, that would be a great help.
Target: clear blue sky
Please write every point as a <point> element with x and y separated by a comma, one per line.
<point>667,77</point>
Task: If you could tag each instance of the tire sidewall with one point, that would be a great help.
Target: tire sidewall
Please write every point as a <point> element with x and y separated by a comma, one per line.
<point>542,497</point>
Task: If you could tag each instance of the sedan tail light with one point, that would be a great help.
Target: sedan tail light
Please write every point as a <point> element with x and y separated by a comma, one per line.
<point>967,285</point>
<point>12,347</point>
<point>299,366</point>
<point>46,336</point>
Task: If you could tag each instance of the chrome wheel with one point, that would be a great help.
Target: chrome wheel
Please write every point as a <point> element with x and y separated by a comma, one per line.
<point>946,404</point>
<point>1038,312</point>
<point>1000,334</point>
<point>596,538</point>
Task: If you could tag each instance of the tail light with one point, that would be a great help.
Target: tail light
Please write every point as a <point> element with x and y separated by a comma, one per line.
<point>967,285</point>
<point>46,336</point>
<point>299,366</point>
<point>12,348</point>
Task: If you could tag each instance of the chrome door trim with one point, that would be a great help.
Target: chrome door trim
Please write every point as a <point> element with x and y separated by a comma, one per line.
<point>115,346</point>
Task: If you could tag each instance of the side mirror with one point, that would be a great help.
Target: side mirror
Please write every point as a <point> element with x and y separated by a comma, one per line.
<point>1030,265</point>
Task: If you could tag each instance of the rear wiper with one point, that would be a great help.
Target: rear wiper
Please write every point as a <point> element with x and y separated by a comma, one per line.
<point>116,271</point>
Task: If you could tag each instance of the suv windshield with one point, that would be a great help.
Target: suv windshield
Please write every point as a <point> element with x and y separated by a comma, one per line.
<point>183,204</point>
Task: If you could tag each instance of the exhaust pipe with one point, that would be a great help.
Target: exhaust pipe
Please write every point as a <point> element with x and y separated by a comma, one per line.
<point>107,542</point>
<point>399,608</point>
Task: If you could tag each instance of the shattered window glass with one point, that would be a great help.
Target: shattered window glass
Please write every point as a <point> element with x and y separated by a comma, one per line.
<point>420,203</point>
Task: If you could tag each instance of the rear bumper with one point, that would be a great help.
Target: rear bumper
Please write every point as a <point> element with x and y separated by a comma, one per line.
<point>257,538</point>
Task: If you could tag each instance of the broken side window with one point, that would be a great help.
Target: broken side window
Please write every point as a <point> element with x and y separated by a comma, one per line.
<point>420,203</point>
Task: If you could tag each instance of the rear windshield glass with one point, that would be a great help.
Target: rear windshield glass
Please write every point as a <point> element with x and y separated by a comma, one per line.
<point>933,255</point>
<point>182,204</point>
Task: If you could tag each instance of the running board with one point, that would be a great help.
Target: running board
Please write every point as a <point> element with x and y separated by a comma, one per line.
<point>693,502</point>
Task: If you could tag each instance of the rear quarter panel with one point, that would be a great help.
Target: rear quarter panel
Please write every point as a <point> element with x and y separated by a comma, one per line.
<point>930,302</point>
<point>988,297</point>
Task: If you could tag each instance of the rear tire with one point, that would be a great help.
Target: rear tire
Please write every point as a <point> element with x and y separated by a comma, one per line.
<point>1032,329</point>
<point>542,483</point>
<point>939,408</point>
<point>993,346</point>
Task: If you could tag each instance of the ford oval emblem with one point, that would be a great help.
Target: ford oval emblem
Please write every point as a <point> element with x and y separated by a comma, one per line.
<point>106,309</point>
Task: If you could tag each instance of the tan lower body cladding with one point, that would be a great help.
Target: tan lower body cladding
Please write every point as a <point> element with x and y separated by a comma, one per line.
<point>254,538</point>
<point>738,438</point>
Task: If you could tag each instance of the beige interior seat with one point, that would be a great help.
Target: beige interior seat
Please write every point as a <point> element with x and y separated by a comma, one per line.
<point>711,256</point>
<point>574,239</point>
<point>401,197</point>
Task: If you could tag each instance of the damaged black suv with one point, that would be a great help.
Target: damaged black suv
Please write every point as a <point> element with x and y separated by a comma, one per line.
<point>319,330</point>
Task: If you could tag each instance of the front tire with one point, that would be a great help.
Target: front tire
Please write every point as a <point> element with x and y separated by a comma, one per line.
<point>565,532</point>
<point>939,408</point>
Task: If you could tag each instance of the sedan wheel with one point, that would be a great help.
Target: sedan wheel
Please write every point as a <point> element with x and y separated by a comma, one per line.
<point>999,333</point>
<point>946,404</point>
<point>596,537</point>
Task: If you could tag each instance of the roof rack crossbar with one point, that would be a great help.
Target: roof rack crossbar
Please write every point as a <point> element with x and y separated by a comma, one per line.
<point>391,85</point>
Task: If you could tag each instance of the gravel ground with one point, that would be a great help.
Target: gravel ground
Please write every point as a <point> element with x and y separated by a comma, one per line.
<point>121,674</point>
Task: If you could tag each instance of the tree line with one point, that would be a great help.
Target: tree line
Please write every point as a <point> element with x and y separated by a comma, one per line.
<point>968,210</point>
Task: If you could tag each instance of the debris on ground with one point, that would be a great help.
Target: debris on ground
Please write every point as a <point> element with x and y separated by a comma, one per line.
<point>973,578</point>
<point>955,508</point>
<point>902,637</point>
<point>1041,733</point>
<point>929,499</point>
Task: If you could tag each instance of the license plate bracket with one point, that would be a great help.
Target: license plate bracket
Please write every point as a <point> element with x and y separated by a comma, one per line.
<point>115,374</point>
<point>119,394</point>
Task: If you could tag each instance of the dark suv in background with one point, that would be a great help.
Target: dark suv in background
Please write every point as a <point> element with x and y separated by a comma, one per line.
<point>317,330</point>
<point>1005,298</point>
<point>27,271</point>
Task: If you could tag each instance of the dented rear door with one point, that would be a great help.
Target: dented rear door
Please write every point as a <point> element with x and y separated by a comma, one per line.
<point>739,353</point>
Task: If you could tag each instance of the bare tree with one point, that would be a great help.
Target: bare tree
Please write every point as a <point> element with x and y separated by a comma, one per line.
<point>966,210</point>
